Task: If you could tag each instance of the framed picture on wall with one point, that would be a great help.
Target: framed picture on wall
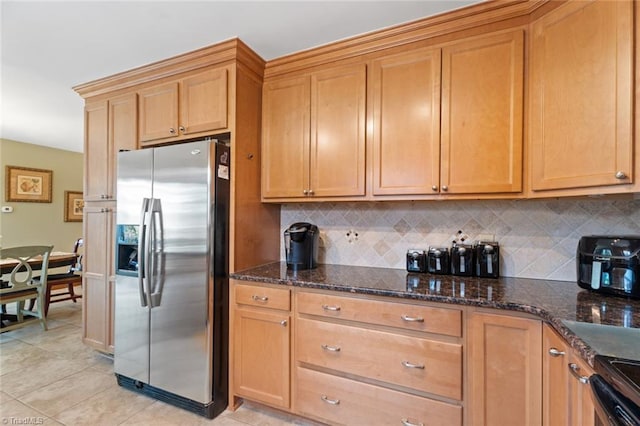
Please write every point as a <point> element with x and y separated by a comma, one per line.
<point>24,184</point>
<point>73,206</point>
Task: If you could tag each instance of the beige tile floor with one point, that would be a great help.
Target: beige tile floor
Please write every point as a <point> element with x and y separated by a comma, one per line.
<point>51,378</point>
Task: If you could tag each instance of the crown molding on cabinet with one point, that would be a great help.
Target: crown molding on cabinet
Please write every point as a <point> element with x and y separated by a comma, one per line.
<point>467,18</point>
<point>220,53</point>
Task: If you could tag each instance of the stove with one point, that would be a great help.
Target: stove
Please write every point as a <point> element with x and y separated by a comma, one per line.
<point>616,390</point>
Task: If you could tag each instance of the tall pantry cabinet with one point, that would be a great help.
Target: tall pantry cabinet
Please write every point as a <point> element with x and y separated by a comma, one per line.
<point>217,94</point>
<point>110,126</point>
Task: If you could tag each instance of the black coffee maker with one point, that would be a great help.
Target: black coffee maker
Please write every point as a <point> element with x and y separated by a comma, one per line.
<point>301,246</point>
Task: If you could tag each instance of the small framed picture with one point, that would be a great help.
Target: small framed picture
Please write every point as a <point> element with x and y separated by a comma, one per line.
<point>28,185</point>
<point>73,206</point>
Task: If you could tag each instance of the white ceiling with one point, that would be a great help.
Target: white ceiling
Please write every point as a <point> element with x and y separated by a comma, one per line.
<point>49,46</point>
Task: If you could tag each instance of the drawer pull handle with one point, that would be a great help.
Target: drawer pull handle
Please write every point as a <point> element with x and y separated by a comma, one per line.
<point>259,298</point>
<point>407,318</point>
<point>331,348</point>
<point>326,399</point>
<point>407,422</point>
<point>575,371</point>
<point>331,308</point>
<point>410,365</point>
<point>283,323</point>
<point>555,353</point>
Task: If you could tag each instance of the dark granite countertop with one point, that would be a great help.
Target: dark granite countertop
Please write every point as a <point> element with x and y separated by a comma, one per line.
<point>561,304</point>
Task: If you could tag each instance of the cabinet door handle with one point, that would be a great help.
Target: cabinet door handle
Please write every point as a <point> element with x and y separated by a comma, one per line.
<point>434,188</point>
<point>259,298</point>
<point>283,323</point>
<point>311,192</point>
<point>332,308</point>
<point>326,399</point>
<point>305,192</point>
<point>575,371</point>
<point>410,365</point>
<point>407,318</point>
<point>621,175</point>
<point>330,348</point>
<point>172,131</point>
<point>182,129</point>
<point>555,353</point>
<point>445,188</point>
<point>407,422</point>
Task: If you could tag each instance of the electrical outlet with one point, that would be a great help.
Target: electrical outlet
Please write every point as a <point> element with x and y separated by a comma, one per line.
<point>352,236</point>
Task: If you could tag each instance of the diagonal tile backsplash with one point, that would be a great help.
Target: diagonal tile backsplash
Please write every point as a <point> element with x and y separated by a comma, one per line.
<point>538,238</point>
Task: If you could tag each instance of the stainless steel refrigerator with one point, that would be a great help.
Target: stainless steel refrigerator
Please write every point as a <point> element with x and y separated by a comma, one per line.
<point>171,292</point>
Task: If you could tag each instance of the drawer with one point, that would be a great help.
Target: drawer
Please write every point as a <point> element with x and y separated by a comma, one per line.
<point>265,297</point>
<point>408,316</point>
<point>345,401</point>
<point>423,364</point>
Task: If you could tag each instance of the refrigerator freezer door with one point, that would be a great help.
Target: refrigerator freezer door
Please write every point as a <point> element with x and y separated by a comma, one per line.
<point>131,315</point>
<point>181,352</point>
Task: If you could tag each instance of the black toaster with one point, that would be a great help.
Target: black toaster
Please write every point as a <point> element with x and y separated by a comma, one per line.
<point>609,264</point>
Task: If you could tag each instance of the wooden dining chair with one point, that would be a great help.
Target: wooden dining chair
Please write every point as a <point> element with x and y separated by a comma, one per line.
<point>67,281</point>
<point>22,285</point>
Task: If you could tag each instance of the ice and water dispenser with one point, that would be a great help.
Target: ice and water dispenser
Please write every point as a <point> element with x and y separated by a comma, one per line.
<point>127,250</point>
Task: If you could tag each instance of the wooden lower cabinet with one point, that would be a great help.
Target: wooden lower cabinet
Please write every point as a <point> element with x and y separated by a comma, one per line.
<point>582,409</point>
<point>339,400</point>
<point>98,276</point>
<point>504,369</point>
<point>357,360</point>
<point>555,379</point>
<point>566,392</point>
<point>419,363</point>
<point>260,344</point>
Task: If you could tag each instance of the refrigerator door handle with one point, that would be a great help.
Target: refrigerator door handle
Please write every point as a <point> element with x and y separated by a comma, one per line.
<point>142,246</point>
<point>155,290</point>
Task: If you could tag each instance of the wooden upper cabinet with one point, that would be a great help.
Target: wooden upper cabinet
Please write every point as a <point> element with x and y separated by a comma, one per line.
<point>97,153</point>
<point>158,112</point>
<point>482,114</point>
<point>181,109</point>
<point>582,96</point>
<point>406,123</point>
<point>338,132</point>
<point>123,132</point>
<point>285,138</point>
<point>203,102</point>
<point>314,135</point>
<point>110,126</point>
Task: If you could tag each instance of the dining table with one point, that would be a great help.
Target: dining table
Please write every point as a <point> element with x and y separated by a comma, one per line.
<point>57,259</point>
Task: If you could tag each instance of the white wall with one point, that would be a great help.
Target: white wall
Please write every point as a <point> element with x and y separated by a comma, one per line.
<point>538,238</point>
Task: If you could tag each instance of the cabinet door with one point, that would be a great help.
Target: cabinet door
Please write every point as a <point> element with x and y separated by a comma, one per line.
<point>98,271</point>
<point>555,380</point>
<point>158,112</point>
<point>338,131</point>
<point>203,102</point>
<point>97,154</point>
<point>123,132</point>
<point>285,138</point>
<point>505,370</point>
<point>261,356</point>
<point>582,96</point>
<point>406,123</point>
<point>482,111</point>
<point>582,408</point>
